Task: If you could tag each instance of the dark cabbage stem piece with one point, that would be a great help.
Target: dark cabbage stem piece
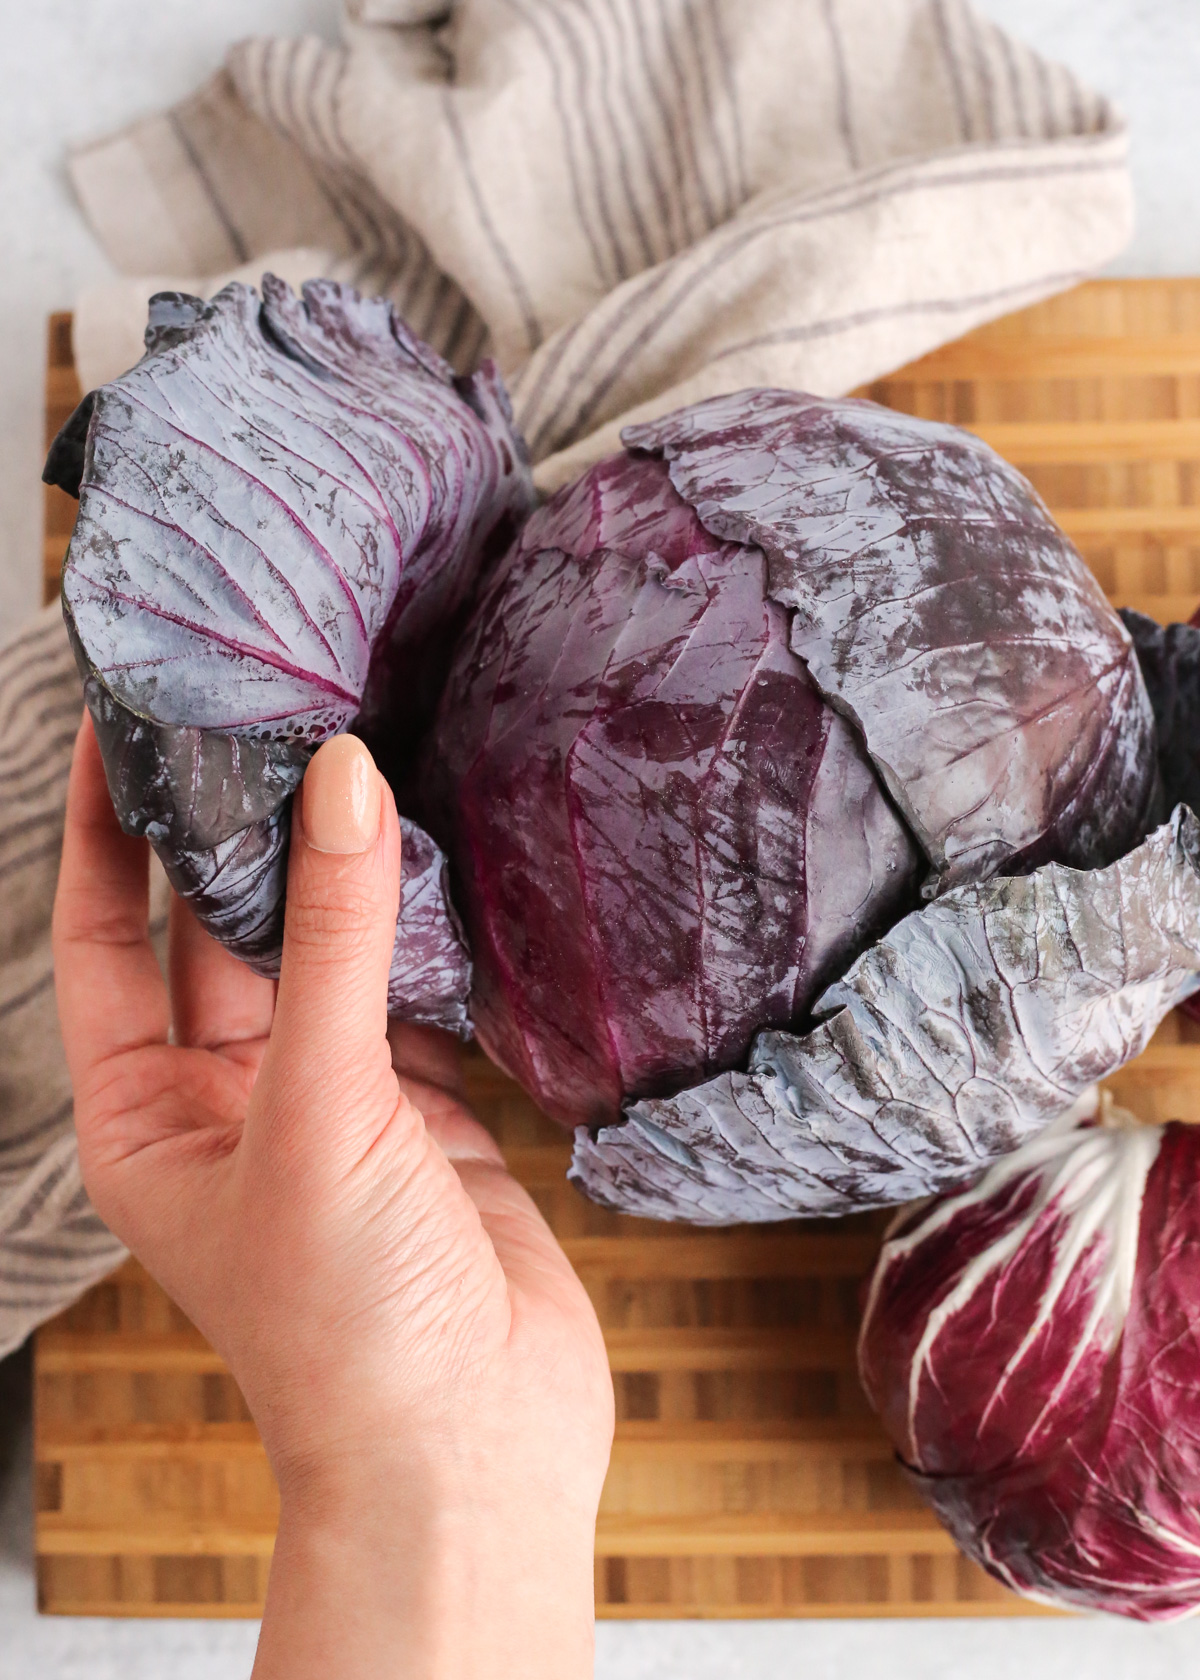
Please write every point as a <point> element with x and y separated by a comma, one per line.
<point>733,703</point>
<point>283,509</point>
<point>1170,660</point>
<point>1031,1346</point>
<point>1169,656</point>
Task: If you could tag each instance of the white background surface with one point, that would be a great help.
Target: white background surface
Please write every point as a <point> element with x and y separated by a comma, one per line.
<point>75,68</point>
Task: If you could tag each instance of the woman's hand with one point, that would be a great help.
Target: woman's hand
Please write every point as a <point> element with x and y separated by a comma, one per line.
<point>425,1369</point>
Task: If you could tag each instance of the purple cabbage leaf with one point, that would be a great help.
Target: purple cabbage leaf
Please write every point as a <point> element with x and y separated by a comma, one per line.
<point>937,605</point>
<point>283,510</point>
<point>640,774</point>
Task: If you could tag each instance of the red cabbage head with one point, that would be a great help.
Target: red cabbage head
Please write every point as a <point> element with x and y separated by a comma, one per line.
<point>738,701</point>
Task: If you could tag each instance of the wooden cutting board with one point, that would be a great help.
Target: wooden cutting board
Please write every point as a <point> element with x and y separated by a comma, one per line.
<point>748,1477</point>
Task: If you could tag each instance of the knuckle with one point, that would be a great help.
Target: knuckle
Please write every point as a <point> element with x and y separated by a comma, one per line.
<point>345,920</point>
<point>80,918</point>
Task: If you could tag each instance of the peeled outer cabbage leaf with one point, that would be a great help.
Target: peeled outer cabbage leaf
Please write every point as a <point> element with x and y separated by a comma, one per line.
<point>283,509</point>
<point>1032,1345</point>
<point>957,1037</point>
<point>729,701</point>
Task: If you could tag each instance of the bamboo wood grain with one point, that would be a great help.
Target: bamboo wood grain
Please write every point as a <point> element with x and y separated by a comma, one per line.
<point>775,1607</point>
<point>651,1349</point>
<point>63,395</point>
<point>1124,521</point>
<point>1086,441</point>
<point>721,1254</point>
<point>1166,355</point>
<point>748,1476</point>
<point>776,1534</point>
<point>731,1443</point>
<point>808,1609</point>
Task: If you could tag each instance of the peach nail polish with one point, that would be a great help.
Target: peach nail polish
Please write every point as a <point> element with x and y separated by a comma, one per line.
<point>341,795</point>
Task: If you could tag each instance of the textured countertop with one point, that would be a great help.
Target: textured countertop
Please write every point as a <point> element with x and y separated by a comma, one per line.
<point>73,71</point>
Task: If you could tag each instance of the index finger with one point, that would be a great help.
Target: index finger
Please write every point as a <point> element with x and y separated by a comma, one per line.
<point>111,995</point>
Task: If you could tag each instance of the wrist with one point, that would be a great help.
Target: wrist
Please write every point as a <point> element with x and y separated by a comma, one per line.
<point>415,1584</point>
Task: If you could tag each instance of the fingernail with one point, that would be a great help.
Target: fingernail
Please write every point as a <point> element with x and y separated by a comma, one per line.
<point>341,796</point>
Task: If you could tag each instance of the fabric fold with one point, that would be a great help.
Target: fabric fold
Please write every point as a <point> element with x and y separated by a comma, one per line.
<point>626,201</point>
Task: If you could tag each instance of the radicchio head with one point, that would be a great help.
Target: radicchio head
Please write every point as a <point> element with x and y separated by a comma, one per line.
<point>1032,1345</point>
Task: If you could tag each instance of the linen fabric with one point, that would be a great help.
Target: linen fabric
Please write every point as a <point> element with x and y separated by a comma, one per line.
<point>635,204</point>
<point>52,1245</point>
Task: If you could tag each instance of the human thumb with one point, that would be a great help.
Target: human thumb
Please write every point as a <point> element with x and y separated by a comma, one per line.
<point>329,1035</point>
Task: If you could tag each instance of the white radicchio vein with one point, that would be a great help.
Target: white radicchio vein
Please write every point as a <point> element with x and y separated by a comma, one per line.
<point>956,1038</point>
<point>1168,1537</point>
<point>1092,1182</point>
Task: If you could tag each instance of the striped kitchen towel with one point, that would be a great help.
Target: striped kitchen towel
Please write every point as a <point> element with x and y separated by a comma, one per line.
<point>51,1243</point>
<point>631,204</point>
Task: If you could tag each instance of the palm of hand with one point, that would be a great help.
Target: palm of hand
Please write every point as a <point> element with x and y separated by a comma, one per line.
<point>328,1213</point>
